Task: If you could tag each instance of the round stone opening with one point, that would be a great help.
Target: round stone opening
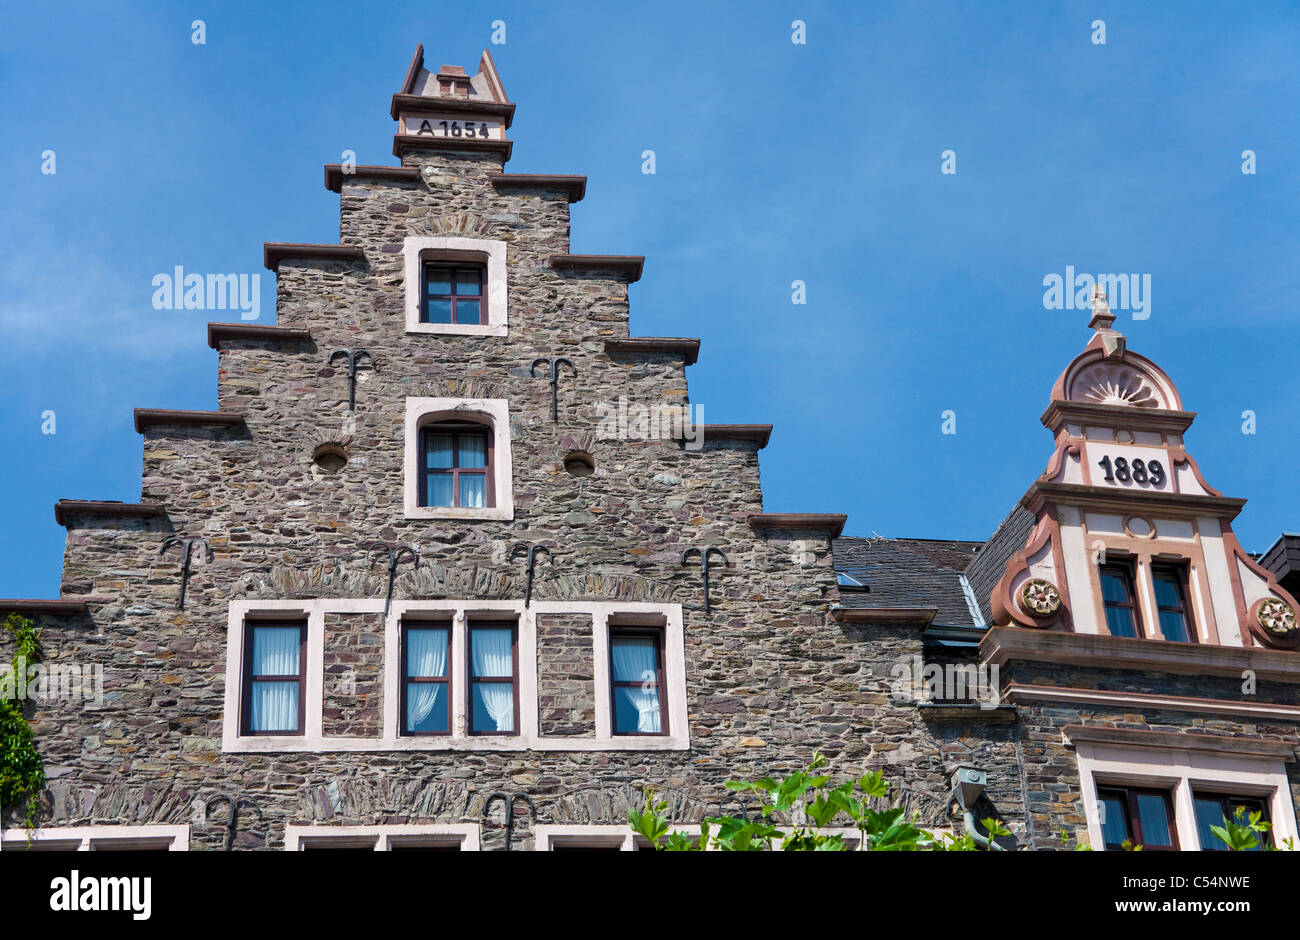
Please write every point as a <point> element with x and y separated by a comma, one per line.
<point>579,464</point>
<point>330,457</point>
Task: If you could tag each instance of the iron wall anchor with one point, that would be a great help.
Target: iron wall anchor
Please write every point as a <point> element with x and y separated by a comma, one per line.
<point>704,554</point>
<point>509,800</point>
<point>532,552</point>
<point>395,554</point>
<point>555,380</point>
<point>232,818</point>
<point>353,358</point>
<point>187,547</point>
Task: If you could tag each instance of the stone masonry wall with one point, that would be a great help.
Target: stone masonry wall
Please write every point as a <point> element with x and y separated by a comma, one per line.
<point>354,675</point>
<point>566,678</point>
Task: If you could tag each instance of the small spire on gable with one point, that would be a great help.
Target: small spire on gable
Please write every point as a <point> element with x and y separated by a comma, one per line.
<point>1110,340</point>
<point>1102,318</point>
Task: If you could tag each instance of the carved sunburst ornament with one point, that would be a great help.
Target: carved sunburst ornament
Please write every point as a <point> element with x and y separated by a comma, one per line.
<point>1118,385</point>
<point>1040,597</point>
<point>1276,616</point>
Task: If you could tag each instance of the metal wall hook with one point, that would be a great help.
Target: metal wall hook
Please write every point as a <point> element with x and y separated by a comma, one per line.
<point>187,548</point>
<point>555,380</point>
<point>509,800</point>
<point>395,554</point>
<point>704,554</point>
<point>232,818</point>
<point>354,359</point>
<point>532,552</point>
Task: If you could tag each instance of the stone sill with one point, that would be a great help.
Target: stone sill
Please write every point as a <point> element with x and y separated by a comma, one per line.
<point>457,329</point>
<point>497,514</point>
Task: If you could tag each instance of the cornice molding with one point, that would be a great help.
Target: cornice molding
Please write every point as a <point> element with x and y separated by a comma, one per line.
<point>1006,644</point>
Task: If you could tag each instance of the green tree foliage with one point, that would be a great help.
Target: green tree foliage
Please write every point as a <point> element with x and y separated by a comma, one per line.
<point>22,772</point>
<point>813,803</point>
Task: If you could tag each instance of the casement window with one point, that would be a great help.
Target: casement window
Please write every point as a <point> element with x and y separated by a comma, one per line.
<point>1160,796</point>
<point>457,459</point>
<point>455,675</point>
<point>1214,809</point>
<point>426,678</point>
<point>275,664</point>
<point>1119,600</point>
<point>493,678</point>
<point>1172,610</point>
<point>456,465</point>
<point>453,293</point>
<point>1138,817</point>
<point>637,696</point>
<point>455,285</point>
<point>396,837</point>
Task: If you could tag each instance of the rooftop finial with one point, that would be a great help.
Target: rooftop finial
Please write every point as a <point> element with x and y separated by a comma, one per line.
<point>1102,318</point>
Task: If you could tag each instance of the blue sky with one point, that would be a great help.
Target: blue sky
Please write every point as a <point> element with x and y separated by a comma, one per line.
<point>775,162</point>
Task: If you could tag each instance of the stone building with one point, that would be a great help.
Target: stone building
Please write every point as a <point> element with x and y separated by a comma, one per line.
<point>452,565</point>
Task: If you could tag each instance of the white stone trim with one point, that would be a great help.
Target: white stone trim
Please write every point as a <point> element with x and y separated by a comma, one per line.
<point>496,411</point>
<point>1182,772</point>
<point>459,611</point>
<point>490,252</point>
<point>463,835</point>
<point>96,838</point>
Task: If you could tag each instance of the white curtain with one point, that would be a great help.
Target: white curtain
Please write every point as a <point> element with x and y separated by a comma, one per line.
<point>275,704</point>
<point>492,657</point>
<point>635,660</point>
<point>426,656</point>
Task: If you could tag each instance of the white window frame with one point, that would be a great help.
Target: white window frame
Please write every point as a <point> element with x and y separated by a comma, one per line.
<point>417,250</point>
<point>1182,773</point>
<point>96,838</point>
<point>547,836</point>
<point>297,838</point>
<point>460,613</point>
<point>493,413</point>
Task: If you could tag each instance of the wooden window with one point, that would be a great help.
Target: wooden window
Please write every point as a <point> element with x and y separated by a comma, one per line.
<point>275,672</point>
<point>426,678</point>
<point>1172,610</point>
<point>1139,817</point>
<point>456,466</point>
<point>493,663</point>
<point>636,676</point>
<point>1117,597</point>
<point>1213,809</point>
<point>453,293</point>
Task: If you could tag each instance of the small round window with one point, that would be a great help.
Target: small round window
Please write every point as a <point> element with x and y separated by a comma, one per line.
<point>579,464</point>
<point>330,457</point>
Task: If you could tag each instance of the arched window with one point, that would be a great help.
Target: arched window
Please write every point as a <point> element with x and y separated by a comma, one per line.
<point>457,460</point>
<point>456,465</point>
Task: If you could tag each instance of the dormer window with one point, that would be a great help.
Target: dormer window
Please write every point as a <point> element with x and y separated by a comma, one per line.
<point>453,293</point>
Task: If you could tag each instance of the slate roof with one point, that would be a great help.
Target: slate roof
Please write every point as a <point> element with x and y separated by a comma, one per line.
<point>986,570</point>
<point>908,573</point>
